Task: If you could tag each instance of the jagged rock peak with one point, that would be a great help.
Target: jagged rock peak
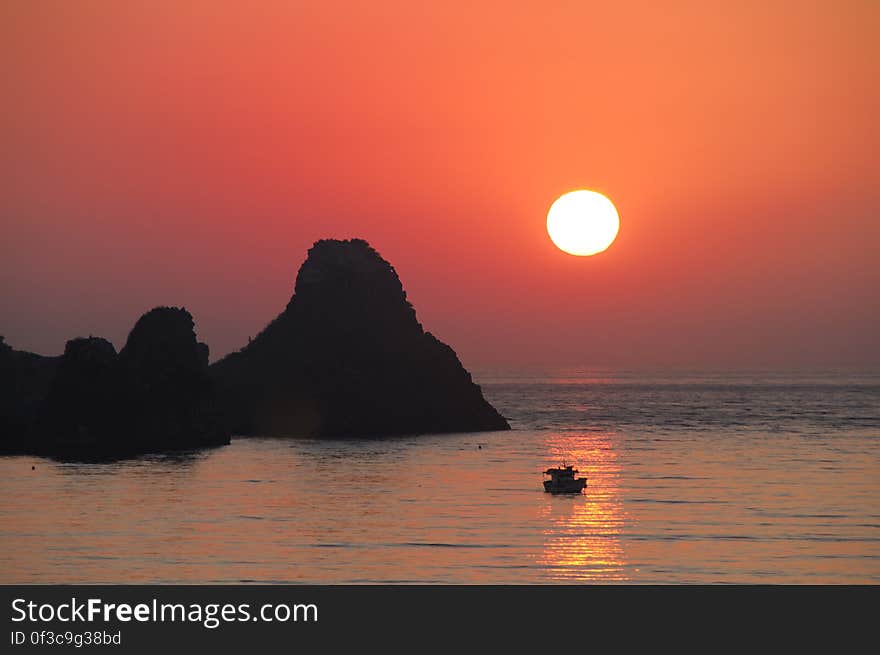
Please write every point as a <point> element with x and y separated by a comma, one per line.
<point>161,331</point>
<point>89,348</point>
<point>168,322</point>
<point>342,262</point>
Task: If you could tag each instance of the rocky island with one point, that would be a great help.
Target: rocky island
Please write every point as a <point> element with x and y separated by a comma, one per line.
<point>347,357</point>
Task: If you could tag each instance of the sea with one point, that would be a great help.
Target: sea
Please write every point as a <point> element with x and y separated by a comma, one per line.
<point>752,477</point>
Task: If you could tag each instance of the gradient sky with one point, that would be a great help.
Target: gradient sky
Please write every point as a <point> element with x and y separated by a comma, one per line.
<point>188,153</point>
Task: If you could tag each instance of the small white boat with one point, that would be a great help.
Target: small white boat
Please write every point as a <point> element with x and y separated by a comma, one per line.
<point>563,481</point>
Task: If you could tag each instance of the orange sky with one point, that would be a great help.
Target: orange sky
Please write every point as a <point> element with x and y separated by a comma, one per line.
<point>188,153</point>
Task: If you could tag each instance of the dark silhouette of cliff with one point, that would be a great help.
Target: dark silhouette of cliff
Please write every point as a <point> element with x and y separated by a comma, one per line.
<point>79,410</point>
<point>154,396</point>
<point>165,387</point>
<point>24,382</point>
<point>348,357</point>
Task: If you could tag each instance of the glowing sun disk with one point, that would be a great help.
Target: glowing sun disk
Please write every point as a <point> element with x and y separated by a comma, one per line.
<point>582,222</point>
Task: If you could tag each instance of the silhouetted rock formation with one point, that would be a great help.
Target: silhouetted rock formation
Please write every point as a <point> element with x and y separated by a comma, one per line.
<point>24,382</point>
<point>154,396</point>
<point>80,410</point>
<point>348,357</point>
<point>166,393</point>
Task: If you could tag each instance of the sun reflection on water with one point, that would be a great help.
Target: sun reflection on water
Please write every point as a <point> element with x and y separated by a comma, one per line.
<point>582,538</point>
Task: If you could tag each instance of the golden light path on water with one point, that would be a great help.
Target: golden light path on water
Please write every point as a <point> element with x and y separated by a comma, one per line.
<point>582,540</point>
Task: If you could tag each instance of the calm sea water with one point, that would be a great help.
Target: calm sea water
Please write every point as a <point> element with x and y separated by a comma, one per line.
<point>747,478</point>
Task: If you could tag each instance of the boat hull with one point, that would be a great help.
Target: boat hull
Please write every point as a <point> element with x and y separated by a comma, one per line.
<point>575,486</point>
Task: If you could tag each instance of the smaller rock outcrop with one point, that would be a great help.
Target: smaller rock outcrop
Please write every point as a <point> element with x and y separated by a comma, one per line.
<point>25,379</point>
<point>79,411</point>
<point>166,396</point>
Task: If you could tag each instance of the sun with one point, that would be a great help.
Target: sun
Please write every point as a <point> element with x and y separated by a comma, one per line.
<point>582,222</point>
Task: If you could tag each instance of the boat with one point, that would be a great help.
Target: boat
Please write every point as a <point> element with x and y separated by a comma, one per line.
<point>563,481</point>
